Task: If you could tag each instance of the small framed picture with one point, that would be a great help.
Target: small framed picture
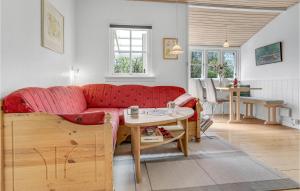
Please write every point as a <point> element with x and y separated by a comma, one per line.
<point>52,28</point>
<point>168,45</point>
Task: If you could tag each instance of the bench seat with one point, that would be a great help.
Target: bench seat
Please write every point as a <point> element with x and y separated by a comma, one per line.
<point>270,104</point>
<point>262,101</point>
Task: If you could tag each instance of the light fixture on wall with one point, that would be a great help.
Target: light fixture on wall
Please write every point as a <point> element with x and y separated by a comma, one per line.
<point>74,72</point>
<point>177,50</point>
<point>226,43</point>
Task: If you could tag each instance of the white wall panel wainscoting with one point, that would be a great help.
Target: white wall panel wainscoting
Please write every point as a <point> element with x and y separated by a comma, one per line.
<point>283,89</point>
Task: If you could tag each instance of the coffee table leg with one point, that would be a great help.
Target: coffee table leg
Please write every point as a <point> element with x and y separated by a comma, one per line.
<point>136,151</point>
<point>185,139</point>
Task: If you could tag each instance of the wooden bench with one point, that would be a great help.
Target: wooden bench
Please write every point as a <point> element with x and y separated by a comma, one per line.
<point>270,104</point>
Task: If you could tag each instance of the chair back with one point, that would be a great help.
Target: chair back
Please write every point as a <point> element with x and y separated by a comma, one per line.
<point>201,92</point>
<point>211,94</point>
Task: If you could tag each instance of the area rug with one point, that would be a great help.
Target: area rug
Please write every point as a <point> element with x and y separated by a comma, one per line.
<point>212,165</point>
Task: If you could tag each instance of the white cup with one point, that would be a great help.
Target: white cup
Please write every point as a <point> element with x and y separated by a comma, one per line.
<point>133,110</point>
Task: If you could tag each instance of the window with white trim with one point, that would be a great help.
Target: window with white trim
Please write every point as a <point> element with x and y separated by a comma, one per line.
<point>130,51</point>
<point>204,62</point>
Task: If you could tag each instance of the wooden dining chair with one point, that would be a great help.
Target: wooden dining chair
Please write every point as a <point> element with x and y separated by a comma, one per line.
<point>211,96</point>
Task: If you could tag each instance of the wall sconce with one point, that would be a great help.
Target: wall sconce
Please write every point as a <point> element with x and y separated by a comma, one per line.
<point>74,74</point>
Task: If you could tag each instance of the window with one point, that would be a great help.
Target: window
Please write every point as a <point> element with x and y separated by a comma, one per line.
<point>130,49</point>
<point>196,64</point>
<point>229,60</point>
<point>207,62</point>
<point>213,60</point>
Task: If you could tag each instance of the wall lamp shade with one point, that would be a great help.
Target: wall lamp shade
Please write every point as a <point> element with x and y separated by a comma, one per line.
<point>226,44</point>
<point>176,50</point>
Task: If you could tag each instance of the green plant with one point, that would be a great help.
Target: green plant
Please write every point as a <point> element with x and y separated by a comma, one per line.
<point>124,65</point>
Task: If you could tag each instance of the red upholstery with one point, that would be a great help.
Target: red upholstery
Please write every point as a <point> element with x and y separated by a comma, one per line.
<point>55,100</point>
<point>114,121</point>
<point>111,96</point>
<point>31,100</point>
<point>94,118</point>
<point>70,99</point>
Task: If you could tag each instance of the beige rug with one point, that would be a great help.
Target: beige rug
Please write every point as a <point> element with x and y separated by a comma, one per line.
<point>213,165</point>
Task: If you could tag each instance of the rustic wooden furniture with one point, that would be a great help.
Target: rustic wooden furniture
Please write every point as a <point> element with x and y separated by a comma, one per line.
<point>180,117</point>
<point>194,128</point>
<point>270,104</point>
<point>234,118</point>
<point>41,151</point>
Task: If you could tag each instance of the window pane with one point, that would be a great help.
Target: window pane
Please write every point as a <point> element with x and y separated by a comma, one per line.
<point>138,34</point>
<point>122,40</point>
<point>130,51</point>
<point>213,62</point>
<point>196,64</point>
<point>123,33</point>
<point>122,63</point>
<point>229,64</point>
<point>137,62</point>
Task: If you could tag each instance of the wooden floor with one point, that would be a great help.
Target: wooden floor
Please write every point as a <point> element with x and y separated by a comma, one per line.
<point>276,146</point>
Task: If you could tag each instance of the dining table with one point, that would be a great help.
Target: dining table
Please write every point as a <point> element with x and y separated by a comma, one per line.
<point>235,118</point>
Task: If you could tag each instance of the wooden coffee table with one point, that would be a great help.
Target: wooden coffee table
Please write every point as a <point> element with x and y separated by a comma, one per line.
<point>145,119</point>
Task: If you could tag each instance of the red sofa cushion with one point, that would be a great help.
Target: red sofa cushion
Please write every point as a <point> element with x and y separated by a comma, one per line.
<point>70,98</point>
<point>55,100</point>
<point>31,100</point>
<point>94,118</point>
<point>114,121</point>
<point>111,96</point>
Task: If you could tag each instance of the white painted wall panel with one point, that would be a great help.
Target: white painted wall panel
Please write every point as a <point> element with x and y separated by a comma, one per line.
<point>92,38</point>
<point>24,62</point>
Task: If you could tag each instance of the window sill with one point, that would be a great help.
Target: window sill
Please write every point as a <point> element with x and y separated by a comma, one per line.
<point>129,78</point>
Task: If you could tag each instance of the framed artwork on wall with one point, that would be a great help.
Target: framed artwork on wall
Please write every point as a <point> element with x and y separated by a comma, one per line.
<point>269,54</point>
<point>52,28</point>
<point>168,45</point>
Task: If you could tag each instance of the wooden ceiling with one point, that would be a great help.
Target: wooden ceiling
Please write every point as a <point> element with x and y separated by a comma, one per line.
<point>209,27</point>
<point>210,21</point>
<point>276,4</point>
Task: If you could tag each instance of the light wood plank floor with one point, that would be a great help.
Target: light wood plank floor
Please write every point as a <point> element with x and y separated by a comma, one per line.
<point>276,146</point>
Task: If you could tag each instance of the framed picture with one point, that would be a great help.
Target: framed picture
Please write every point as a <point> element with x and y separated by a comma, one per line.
<point>52,28</point>
<point>269,54</point>
<point>168,45</point>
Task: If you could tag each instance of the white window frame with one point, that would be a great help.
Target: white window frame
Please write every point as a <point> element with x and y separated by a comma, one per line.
<point>190,62</point>
<point>147,67</point>
<point>221,59</point>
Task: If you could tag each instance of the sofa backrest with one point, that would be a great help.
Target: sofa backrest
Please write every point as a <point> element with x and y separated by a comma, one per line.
<point>107,96</point>
<point>70,98</point>
<point>57,100</point>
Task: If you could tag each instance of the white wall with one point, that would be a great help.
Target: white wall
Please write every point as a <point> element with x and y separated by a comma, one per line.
<point>0,48</point>
<point>92,37</point>
<point>280,80</point>
<point>24,61</point>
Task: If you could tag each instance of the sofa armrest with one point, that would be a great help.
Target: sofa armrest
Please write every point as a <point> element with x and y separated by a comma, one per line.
<point>40,137</point>
<point>94,118</point>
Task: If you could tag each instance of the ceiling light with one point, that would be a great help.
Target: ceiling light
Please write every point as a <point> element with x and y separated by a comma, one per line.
<point>226,44</point>
<point>176,50</point>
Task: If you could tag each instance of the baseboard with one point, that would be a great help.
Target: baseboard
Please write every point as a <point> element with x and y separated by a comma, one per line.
<point>289,124</point>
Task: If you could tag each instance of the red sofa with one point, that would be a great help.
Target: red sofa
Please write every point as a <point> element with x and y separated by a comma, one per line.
<point>88,104</point>
<point>65,136</point>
